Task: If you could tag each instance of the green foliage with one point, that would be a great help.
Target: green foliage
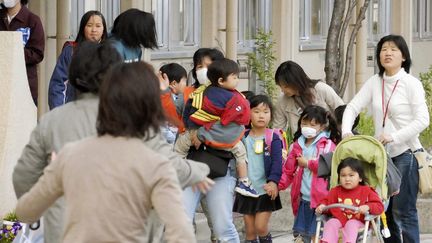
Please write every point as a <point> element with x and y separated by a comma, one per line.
<point>262,62</point>
<point>366,125</point>
<point>426,79</point>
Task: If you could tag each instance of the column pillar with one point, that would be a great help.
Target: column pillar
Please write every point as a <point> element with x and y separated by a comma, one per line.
<point>231,29</point>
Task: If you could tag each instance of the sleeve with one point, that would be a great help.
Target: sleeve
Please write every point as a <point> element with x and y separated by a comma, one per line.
<point>236,110</point>
<point>34,49</point>
<point>279,119</point>
<point>45,192</point>
<point>31,164</point>
<point>360,100</point>
<point>420,112</point>
<point>276,159</point>
<point>57,84</point>
<point>188,172</point>
<point>289,168</point>
<point>167,201</point>
<point>332,99</point>
<point>376,207</point>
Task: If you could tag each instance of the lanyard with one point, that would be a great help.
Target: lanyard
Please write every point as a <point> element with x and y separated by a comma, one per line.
<point>385,108</point>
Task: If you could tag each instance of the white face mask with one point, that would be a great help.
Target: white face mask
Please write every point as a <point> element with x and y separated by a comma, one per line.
<point>309,132</point>
<point>202,75</point>
<point>10,3</point>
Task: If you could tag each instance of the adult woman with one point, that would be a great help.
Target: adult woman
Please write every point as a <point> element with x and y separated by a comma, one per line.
<point>92,28</point>
<point>400,113</point>
<point>123,178</point>
<point>15,16</point>
<point>300,91</point>
<point>89,66</point>
<point>132,30</point>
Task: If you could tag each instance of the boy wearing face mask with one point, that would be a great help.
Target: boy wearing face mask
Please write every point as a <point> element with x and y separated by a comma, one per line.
<point>15,16</point>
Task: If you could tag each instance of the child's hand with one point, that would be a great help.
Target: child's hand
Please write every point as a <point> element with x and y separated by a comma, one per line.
<point>194,139</point>
<point>319,209</point>
<point>302,161</point>
<point>272,189</point>
<point>363,209</point>
<point>163,81</point>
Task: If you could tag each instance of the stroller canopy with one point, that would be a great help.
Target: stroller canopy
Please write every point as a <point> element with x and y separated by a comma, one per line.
<point>372,155</point>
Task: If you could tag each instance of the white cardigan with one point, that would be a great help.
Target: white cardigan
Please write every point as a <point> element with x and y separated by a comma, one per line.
<point>407,111</point>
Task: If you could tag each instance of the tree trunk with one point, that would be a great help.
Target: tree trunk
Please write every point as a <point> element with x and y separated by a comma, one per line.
<point>338,60</point>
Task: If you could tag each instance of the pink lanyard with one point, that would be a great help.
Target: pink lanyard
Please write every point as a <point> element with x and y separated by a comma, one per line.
<point>385,108</point>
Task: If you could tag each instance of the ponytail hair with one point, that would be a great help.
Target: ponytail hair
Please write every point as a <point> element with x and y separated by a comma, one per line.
<point>321,116</point>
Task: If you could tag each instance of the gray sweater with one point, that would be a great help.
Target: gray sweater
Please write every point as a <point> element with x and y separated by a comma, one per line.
<point>72,122</point>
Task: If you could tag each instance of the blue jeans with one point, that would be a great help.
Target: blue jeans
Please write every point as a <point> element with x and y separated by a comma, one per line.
<point>402,212</point>
<point>220,200</point>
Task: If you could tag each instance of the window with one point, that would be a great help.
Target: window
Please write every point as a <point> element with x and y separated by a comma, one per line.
<point>177,24</point>
<point>315,16</point>
<point>378,19</point>
<point>252,14</point>
<point>110,10</point>
<point>422,19</point>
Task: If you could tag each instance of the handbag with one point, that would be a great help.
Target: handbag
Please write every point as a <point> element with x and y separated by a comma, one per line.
<point>424,160</point>
<point>217,160</point>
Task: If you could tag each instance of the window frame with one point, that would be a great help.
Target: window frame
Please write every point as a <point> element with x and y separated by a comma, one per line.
<point>423,20</point>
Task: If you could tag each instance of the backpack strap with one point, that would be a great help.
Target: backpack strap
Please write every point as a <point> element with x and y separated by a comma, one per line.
<point>269,136</point>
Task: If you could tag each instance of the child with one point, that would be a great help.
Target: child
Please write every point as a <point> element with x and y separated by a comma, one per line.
<point>264,169</point>
<point>351,191</point>
<point>339,115</point>
<point>316,134</point>
<point>173,99</point>
<point>220,107</point>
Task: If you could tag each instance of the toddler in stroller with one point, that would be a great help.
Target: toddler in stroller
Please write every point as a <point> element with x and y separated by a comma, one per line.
<point>357,160</point>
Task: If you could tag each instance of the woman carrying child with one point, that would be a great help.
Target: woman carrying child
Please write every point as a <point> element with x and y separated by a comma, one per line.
<point>316,134</point>
<point>264,170</point>
<point>352,191</point>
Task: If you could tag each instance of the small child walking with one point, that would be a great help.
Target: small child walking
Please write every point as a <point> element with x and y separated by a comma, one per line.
<point>316,134</point>
<point>219,107</point>
<point>264,170</point>
<point>351,191</point>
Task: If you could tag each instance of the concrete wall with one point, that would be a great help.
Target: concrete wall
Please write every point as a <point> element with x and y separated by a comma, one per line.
<point>18,113</point>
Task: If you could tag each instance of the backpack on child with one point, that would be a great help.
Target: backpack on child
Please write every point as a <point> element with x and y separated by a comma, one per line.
<point>269,132</point>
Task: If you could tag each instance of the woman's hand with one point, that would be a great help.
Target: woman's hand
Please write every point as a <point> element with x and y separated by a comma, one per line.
<point>203,186</point>
<point>385,138</point>
<point>319,209</point>
<point>272,189</point>
<point>363,209</point>
<point>347,135</point>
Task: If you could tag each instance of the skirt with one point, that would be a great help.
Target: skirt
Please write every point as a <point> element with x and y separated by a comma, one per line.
<point>250,205</point>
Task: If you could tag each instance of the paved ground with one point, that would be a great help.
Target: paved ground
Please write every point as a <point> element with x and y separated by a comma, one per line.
<point>203,233</point>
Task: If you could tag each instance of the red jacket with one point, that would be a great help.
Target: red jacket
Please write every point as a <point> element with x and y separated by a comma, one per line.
<point>292,174</point>
<point>361,195</point>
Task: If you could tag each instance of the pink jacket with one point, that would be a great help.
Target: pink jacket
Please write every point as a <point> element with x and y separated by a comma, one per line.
<point>292,173</point>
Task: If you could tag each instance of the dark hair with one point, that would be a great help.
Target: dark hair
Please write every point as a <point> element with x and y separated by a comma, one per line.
<point>293,75</point>
<point>24,2</point>
<point>403,47</point>
<point>248,94</point>
<point>261,99</point>
<point>174,71</point>
<point>212,53</point>
<point>321,116</point>
<point>90,64</point>
<point>221,69</point>
<point>356,166</point>
<point>129,102</point>
<point>339,111</point>
<point>84,19</point>
<point>135,28</point>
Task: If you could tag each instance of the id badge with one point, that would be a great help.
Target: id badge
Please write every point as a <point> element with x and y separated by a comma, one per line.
<point>259,146</point>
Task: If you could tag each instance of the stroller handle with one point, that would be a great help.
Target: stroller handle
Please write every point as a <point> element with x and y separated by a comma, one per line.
<point>340,205</point>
